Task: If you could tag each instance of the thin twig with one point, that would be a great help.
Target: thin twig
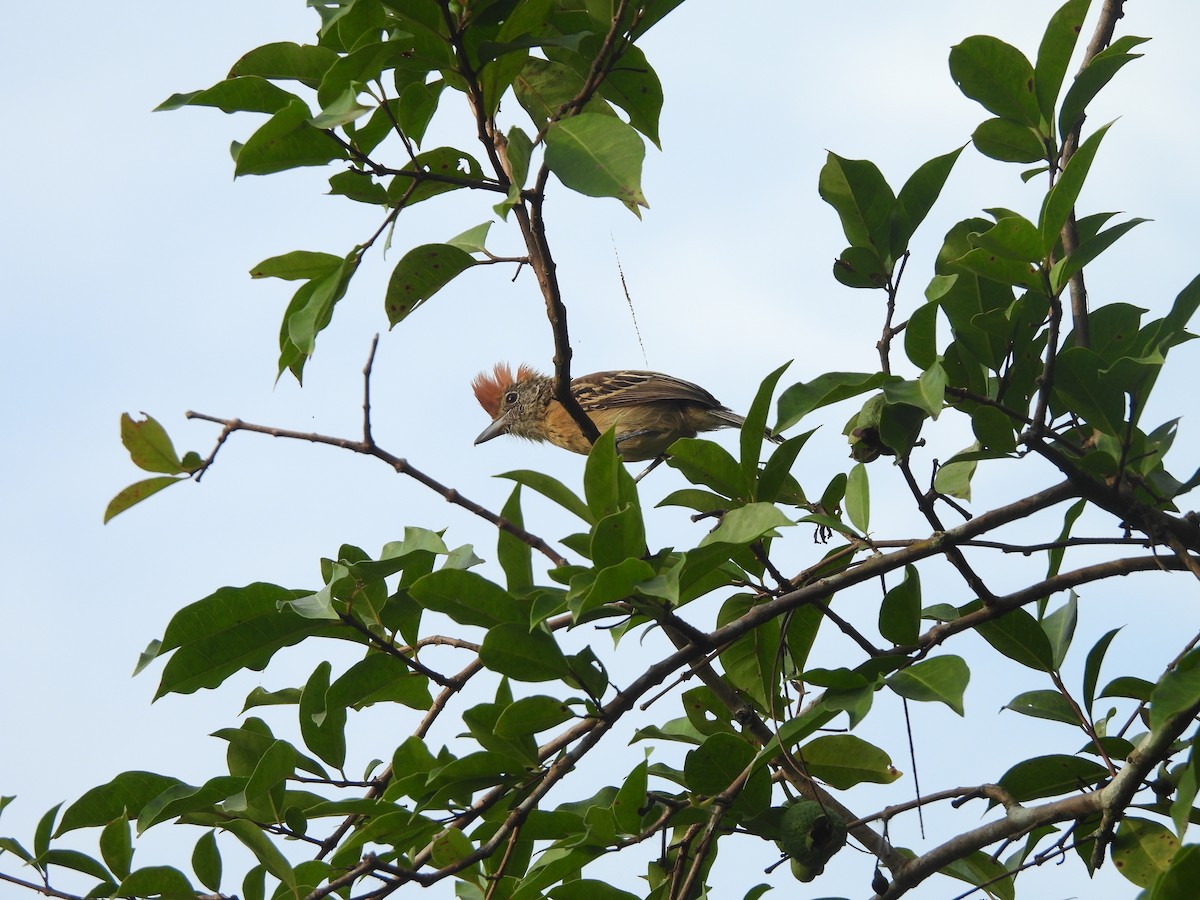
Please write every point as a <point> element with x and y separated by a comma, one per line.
<point>399,464</point>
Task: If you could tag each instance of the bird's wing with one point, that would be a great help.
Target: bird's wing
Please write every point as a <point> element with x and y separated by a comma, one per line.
<point>629,387</point>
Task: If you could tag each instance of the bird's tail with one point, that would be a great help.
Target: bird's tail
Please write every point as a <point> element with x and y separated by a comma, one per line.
<point>733,420</point>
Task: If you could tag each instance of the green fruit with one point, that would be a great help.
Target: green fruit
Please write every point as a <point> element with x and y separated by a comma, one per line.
<point>801,872</point>
<point>810,834</point>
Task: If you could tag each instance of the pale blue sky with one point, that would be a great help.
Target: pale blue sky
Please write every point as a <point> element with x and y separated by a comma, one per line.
<point>127,244</point>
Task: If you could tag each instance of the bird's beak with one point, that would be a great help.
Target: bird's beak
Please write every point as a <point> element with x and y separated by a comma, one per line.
<point>498,427</point>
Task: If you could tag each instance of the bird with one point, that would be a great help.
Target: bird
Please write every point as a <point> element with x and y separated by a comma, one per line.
<point>648,410</point>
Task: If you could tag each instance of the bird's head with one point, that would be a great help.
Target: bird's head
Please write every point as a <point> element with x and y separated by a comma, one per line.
<point>514,402</point>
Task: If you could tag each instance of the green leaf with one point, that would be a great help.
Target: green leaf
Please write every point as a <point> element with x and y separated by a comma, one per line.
<point>349,73</point>
<point>230,630</point>
<point>116,845</point>
<point>715,765</point>
<point>1044,705</point>
<point>379,678</point>
<point>1179,881</point>
<point>630,802</point>
<point>984,872</point>
<point>415,108</point>
<point>311,308</point>
<point>920,337</point>
<point>997,76</point>
<point>1056,553</point>
<point>751,436</point>
<point>76,861</point>
<point>322,724</point>
<point>1088,250</point>
<point>844,760</point>
<point>515,556</point>
<point>124,795</point>
<point>598,156</point>
<point>165,882</point>
<point>747,524</point>
<point>1060,627</point>
<point>995,267</point>
<point>552,489</point>
<point>1185,793</point>
<point>927,393</point>
<point>1081,387</point>
<point>490,50</point>
<point>136,493</point>
<point>1177,690</point>
<point>751,663</point>
<point>1091,668</point>
<point>591,590</point>
<point>521,654</point>
<point>1061,198</point>
<point>1020,637</point>
<point>860,195</point>
<point>1142,850</point>
<point>589,889</point>
<point>459,168</point>
<point>283,60</point>
<point>206,861</point>
<point>467,598</point>
<point>299,265</point>
<point>544,87</point>
<point>1013,237</point>
<point>707,463</point>
<point>149,446</point>
<point>1008,141</point>
<point>1128,686</point>
<point>858,498</point>
<point>529,715</point>
<point>286,141</point>
<point>994,429</point>
<point>954,477</point>
<point>473,239</point>
<point>917,197</point>
<point>633,85</point>
<point>860,267</point>
<point>694,498</point>
<point>246,94</point>
<point>1054,53</point>
<point>264,849</point>
<point>1089,82</point>
<point>420,274</point>
<point>900,611</point>
<point>802,398</point>
<point>942,678</point>
<point>1049,776</point>
<point>342,110</point>
<point>773,482</point>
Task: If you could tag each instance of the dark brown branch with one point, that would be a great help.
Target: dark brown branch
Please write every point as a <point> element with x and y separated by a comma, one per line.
<point>383,646</point>
<point>1110,800</point>
<point>1110,12</point>
<point>399,464</point>
<point>45,890</point>
<point>884,344</point>
<point>953,553</point>
<point>1062,582</point>
<point>1117,499</point>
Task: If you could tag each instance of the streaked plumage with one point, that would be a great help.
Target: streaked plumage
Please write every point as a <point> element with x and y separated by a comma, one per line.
<point>649,410</point>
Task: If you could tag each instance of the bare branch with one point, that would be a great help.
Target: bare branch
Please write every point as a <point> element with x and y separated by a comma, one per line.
<point>399,464</point>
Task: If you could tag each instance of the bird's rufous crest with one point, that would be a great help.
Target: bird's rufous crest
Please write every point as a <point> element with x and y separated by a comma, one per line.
<point>489,387</point>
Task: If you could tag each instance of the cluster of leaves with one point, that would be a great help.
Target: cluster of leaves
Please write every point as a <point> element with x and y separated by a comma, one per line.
<point>379,71</point>
<point>748,732</point>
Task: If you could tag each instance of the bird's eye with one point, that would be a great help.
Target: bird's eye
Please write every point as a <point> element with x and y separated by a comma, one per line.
<point>510,397</point>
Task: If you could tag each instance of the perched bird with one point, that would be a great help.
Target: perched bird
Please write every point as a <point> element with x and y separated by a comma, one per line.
<point>649,410</point>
